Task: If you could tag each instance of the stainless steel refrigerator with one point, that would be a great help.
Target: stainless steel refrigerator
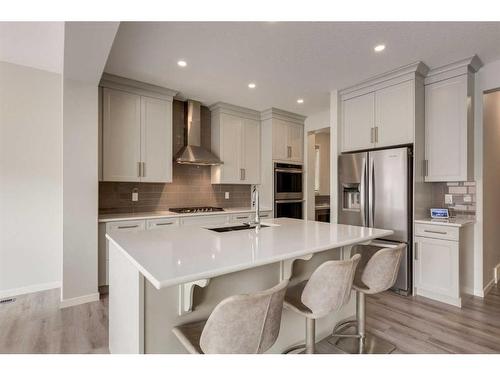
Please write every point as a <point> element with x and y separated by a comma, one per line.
<point>375,190</point>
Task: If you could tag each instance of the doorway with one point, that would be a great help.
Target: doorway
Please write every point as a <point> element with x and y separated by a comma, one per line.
<point>318,175</point>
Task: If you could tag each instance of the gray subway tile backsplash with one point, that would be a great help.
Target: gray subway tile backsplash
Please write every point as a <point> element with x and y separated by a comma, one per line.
<point>463,196</point>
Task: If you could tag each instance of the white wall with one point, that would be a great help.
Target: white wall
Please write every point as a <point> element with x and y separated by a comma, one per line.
<point>80,192</point>
<point>485,248</point>
<point>30,179</point>
<point>317,121</point>
<point>86,48</point>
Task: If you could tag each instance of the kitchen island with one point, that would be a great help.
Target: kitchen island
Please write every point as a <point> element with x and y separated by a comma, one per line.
<point>164,278</point>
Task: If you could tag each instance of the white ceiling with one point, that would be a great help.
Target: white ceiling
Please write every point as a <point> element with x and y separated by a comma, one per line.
<point>38,45</point>
<point>286,60</point>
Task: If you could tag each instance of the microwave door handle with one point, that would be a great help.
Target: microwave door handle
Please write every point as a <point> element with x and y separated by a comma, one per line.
<point>362,193</point>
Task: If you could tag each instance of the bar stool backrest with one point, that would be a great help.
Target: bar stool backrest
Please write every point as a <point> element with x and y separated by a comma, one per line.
<point>245,324</point>
<point>382,269</point>
<point>329,287</point>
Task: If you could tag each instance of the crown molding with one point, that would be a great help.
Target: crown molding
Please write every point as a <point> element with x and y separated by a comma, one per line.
<point>413,70</point>
<point>282,115</point>
<point>235,110</point>
<point>130,85</point>
<point>470,64</point>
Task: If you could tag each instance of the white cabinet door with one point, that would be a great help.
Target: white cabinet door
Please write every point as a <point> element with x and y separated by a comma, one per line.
<point>358,116</point>
<point>250,151</point>
<point>121,136</point>
<point>156,140</point>
<point>230,148</point>
<point>395,114</point>
<point>436,267</point>
<point>446,130</point>
<point>202,221</point>
<point>296,142</point>
<point>280,140</point>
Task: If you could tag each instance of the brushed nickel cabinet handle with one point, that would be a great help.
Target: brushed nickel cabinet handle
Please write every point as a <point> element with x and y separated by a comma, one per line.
<point>241,174</point>
<point>434,231</point>
<point>426,168</point>
<point>415,253</point>
<point>128,226</point>
<point>143,169</point>
<point>289,151</point>
<point>241,217</point>
<point>372,140</point>
<point>376,134</point>
<point>139,169</point>
<point>158,224</point>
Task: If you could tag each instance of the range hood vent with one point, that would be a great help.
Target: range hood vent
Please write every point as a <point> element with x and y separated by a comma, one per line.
<point>193,152</point>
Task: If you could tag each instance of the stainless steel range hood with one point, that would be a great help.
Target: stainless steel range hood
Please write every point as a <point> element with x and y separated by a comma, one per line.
<point>193,152</point>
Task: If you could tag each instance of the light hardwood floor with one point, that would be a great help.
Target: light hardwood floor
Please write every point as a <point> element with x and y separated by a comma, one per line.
<point>35,324</point>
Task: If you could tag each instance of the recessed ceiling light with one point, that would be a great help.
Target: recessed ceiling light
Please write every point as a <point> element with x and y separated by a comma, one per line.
<point>182,63</point>
<point>300,101</point>
<point>252,85</point>
<point>379,48</point>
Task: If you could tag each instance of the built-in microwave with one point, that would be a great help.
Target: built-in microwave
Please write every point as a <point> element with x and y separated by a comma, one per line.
<point>288,194</point>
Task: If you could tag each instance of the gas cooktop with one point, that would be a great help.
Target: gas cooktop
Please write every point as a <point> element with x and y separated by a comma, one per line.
<point>191,210</point>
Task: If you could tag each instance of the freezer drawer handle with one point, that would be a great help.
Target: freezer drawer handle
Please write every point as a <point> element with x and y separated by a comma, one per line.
<point>434,231</point>
<point>169,223</point>
<point>128,226</point>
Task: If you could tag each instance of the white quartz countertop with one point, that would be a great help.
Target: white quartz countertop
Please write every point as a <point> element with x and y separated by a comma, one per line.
<point>453,222</point>
<point>173,256</point>
<point>160,214</point>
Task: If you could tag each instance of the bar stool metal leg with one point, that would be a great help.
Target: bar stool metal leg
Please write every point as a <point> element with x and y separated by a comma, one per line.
<point>310,335</point>
<point>360,342</point>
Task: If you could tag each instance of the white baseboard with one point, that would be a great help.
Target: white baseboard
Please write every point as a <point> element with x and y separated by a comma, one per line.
<point>79,300</point>
<point>487,288</point>
<point>29,289</point>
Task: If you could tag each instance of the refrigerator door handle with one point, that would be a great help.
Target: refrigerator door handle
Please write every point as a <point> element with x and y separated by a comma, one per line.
<point>362,192</point>
<point>371,193</point>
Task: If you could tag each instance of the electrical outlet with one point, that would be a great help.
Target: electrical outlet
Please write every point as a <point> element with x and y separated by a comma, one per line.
<point>448,199</point>
<point>226,195</point>
<point>135,195</point>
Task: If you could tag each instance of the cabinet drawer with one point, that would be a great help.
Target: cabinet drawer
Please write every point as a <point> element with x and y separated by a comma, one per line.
<point>437,231</point>
<point>242,218</point>
<point>129,225</point>
<point>152,224</point>
<point>206,220</point>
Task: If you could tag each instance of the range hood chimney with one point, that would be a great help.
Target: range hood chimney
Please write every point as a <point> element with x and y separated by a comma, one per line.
<point>193,152</point>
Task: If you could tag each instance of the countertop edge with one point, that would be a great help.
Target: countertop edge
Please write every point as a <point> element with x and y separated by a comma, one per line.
<point>208,275</point>
<point>460,224</point>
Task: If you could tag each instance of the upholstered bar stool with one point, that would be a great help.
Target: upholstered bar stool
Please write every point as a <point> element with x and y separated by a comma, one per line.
<point>241,324</point>
<point>327,290</point>
<point>375,274</point>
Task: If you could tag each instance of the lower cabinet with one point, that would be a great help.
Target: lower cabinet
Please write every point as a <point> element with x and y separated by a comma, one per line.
<point>436,269</point>
<point>443,262</point>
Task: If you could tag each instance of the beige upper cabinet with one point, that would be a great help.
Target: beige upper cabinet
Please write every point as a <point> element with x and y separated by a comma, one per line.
<point>236,141</point>
<point>136,131</point>
<point>288,141</point>
<point>358,122</point>
<point>449,116</point>
<point>383,111</point>
<point>395,114</point>
<point>156,140</point>
<point>121,134</point>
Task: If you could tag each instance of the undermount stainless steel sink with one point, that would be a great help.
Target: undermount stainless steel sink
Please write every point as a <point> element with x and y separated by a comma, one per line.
<point>236,228</point>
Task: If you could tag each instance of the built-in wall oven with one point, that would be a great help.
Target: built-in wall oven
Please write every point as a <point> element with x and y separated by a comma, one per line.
<point>288,193</point>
